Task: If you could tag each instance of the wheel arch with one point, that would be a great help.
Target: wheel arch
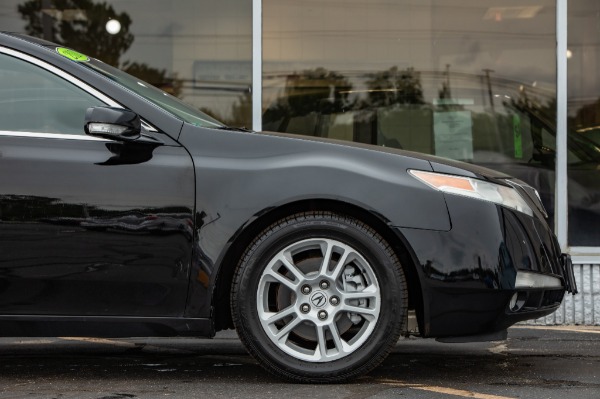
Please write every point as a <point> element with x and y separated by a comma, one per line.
<point>221,300</point>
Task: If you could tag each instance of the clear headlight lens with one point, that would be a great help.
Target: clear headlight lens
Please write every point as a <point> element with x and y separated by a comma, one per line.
<point>474,188</point>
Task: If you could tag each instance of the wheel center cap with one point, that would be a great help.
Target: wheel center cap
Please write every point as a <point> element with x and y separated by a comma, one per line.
<point>318,299</point>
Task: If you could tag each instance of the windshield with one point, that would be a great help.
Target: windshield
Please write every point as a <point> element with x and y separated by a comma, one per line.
<point>158,97</point>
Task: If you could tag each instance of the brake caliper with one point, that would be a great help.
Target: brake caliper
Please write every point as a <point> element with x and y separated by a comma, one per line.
<point>353,281</point>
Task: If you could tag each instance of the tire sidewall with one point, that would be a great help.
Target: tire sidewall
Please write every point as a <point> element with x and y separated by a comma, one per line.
<point>369,246</point>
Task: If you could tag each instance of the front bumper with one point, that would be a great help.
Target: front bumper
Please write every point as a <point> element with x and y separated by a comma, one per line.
<point>568,274</point>
<point>494,268</point>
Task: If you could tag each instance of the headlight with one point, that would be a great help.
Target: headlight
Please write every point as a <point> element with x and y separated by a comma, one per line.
<point>474,188</point>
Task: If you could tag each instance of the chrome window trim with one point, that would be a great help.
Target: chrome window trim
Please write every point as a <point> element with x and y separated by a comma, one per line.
<point>81,137</point>
<point>71,79</point>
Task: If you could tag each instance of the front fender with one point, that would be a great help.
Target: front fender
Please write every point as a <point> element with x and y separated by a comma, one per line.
<point>240,175</point>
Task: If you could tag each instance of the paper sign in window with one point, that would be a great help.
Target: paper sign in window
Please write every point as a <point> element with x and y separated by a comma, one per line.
<point>453,133</point>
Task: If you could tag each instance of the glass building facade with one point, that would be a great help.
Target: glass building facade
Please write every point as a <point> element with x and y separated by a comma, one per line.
<point>503,84</point>
<point>200,51</point>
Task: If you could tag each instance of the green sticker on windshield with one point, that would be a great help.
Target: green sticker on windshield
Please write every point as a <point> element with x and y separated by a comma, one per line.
<point>518,137</point>
<point>72,54</point>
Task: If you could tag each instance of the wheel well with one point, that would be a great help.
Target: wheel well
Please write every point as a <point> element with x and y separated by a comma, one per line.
<point>221,296</point>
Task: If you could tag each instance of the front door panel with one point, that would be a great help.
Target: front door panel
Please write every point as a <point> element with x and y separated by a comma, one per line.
<point>86,231</point>
<point>87,226</point>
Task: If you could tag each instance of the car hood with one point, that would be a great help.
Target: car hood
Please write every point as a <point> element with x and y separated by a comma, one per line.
<point>438,164</point>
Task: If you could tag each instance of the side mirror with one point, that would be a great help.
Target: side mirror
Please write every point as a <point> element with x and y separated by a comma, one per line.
<point>113,123</point>
<point>544,155</point>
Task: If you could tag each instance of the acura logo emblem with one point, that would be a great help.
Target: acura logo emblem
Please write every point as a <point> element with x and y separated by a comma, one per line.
<point>318,299</point>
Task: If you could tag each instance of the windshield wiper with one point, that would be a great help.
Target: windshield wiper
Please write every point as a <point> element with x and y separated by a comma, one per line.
<point>235,129</point>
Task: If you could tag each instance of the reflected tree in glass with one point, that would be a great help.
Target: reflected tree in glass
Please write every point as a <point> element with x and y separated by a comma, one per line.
<point>81,25</point>
<point>241,110</point>
<point>312,91</point>
<point>394,86</point>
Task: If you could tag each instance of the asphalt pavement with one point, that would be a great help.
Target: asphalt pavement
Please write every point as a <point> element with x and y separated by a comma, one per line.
<point>535,362</point>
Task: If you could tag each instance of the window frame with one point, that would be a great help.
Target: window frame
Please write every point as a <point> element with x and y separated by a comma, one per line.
<point>71,79</point>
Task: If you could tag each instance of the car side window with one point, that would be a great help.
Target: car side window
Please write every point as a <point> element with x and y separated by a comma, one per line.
<point>33,99</point>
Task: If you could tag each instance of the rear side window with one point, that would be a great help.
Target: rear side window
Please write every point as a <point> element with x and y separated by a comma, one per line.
<point>33,99</point>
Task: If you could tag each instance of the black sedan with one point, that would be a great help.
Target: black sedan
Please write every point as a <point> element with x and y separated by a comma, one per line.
<point>125,212</point>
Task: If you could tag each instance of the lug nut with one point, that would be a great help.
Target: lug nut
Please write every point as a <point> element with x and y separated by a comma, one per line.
<point>306,289</point>
<point>305,308</point>
<point>334,300</point>
<point>322,315</point>
<point>324,285</point>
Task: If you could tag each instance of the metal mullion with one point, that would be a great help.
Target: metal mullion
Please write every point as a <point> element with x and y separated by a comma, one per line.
<point>561,198</point>
<point>257,64</point>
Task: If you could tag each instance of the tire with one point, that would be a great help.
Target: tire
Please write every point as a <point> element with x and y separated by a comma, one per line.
<point>309,323</point>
